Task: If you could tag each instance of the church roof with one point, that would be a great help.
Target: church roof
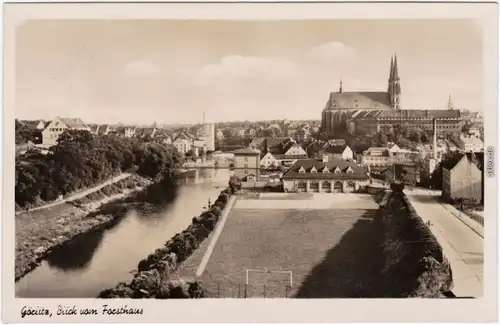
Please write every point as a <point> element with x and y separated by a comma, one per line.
<point>361,100</point>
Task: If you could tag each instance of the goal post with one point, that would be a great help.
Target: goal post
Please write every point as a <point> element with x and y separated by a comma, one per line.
<point>264,271</point>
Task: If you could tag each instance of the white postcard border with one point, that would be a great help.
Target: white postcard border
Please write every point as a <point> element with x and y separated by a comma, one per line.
<point>259,310</point>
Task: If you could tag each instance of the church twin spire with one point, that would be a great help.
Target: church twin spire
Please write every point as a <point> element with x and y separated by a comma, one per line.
<point>394,88</point>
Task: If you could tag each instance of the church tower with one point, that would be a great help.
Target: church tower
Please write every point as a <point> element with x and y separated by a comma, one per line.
<point>394,87</point>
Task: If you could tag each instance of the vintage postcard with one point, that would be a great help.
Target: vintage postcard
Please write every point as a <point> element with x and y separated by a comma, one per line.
<point>250,162</point>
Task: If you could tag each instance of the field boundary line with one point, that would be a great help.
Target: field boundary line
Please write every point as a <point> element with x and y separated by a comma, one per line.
<point>215,238</point>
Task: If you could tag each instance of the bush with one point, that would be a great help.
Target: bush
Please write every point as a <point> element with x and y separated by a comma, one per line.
<point>397,187</point>
<point>83,160</point>
<point>151,281</point>
<point>414,258</point>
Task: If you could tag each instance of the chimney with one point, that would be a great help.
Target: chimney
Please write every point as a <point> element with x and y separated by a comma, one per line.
<point>325,158</point>
<point>434,138</point>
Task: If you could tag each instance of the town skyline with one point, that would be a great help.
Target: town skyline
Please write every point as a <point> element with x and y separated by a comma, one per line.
<point>139,72</point>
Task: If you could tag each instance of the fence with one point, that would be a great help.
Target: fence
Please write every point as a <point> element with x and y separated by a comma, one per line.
<point>242,290</point>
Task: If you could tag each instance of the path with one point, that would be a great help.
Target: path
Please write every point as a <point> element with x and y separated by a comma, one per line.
<point>462,245</point>
<point>80,194</point>
<point>214,239</point>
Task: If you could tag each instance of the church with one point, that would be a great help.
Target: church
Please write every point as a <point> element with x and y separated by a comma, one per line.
<point>369,112</point>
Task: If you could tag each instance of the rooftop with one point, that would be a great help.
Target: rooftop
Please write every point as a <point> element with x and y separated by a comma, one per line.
<point>332,169</point>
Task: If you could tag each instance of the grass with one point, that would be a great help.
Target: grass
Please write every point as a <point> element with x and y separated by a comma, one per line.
<point>332,253</point>
<point>39,230</point>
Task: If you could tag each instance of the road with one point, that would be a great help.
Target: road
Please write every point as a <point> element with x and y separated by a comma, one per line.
<point>80,194</point>
<point>462,244</point>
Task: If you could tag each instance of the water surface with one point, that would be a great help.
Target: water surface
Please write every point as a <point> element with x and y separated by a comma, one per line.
<point>100,259</point>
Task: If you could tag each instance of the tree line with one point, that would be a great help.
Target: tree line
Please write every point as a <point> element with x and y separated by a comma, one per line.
<point>81,160</point>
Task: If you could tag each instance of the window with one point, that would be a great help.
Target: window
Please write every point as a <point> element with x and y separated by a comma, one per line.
<point>337,170</point>
<point>246,159</point>
<point>325,170</point>
<point>246,165</point>
<point>349,170</point>
<point>313,170</point>
<point>301,169</point>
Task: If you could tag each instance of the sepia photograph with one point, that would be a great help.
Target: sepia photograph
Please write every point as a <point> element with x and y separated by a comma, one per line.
<point>225,159</point>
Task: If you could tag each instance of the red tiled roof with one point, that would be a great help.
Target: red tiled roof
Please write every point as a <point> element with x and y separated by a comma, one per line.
<point>358,171</point>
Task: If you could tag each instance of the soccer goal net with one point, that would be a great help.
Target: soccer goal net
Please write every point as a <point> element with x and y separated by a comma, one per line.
<point>268,283</point>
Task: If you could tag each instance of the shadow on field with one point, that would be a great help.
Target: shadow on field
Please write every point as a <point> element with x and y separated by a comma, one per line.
<point>352,268</point>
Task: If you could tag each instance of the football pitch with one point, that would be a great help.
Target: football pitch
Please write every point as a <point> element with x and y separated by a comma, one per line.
<point>273,252</point>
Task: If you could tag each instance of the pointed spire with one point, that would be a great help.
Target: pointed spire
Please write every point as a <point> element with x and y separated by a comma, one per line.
<point>391,73</point>
<point>395,71</point>
<point>450,103</point>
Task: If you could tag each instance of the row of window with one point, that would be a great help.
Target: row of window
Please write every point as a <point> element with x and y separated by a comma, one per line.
<point>56,129</point>
<point>325,170</point>
<point>325,184</point>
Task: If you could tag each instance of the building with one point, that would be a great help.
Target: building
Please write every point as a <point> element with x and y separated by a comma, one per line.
<point>470,143</point>
<point>40,125</point>
<point>183,142</point>
<point>247,163</point>
<point>57,126</point>
<point>324,175</point>
<point>463,177</point>
<point>207,135</point>
<point>146,132</point>
<point>377,157</point>
<point>276,152</point>
<point>407,173</point>
<point>104,129</point>
<point>371,112</point>
<point>334,151</point>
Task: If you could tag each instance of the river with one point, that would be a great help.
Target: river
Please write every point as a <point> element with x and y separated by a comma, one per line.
<point>98,260</point>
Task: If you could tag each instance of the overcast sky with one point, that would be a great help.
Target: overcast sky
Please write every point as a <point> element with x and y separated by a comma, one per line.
<point>171,71</point>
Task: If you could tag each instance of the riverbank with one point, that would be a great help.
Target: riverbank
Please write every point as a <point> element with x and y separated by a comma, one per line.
<point>40,231</point>
<point>155,276</point>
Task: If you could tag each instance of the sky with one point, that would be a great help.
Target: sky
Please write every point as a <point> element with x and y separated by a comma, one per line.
<point>171,71</point>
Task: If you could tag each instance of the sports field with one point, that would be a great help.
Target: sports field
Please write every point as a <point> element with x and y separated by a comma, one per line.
<point>309,250</point>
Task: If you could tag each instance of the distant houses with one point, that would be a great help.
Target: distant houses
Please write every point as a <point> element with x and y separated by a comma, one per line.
<point>57,126</point>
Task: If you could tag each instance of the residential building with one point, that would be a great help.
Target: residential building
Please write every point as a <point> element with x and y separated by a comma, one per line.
<point>470,143</point>
<point>40,125</point>
<point>377,157</point>
<point>219,135</point>
<point>407,173</point>
<point>57,126</point>
<point>369,112</point>
<point>325,175</point>
<point>183,142</point>
<point>146,132</point>
<point>247,163</point>
<point>93,128</point>
<point>283,153</point>
<point>334,151</point>
<point>125,131</point>
<point>104,129</point>
<point>463,177</point>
